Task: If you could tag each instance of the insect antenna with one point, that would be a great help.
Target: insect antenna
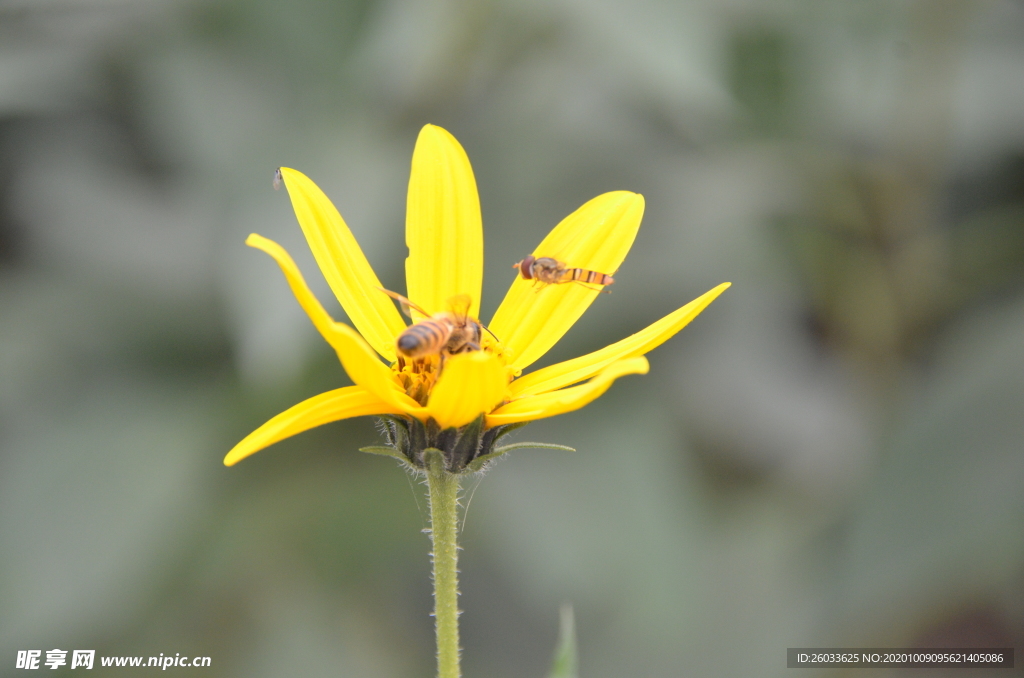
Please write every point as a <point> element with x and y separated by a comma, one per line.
<point>490,333</point>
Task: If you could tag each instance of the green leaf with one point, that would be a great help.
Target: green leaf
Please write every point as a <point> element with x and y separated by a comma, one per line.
<point>566,664</point>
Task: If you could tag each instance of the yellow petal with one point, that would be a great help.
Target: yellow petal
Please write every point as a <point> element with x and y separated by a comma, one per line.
<point>471,384</point>
<point>342,403</point>
<point>568,399</point>
<point>575,370</point>
<point>597,236</point>
<point>442,224</point>
<point>358,359</point>
<point>343,264</point>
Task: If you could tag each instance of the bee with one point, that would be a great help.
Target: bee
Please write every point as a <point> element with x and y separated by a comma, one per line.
<point>550,271</point>
<point>445,333</point>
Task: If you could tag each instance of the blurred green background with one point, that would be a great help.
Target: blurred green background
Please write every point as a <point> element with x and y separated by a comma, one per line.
<point>831,455</point>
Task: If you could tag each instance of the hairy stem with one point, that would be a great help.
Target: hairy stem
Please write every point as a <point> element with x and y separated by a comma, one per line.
<point>444,501</point>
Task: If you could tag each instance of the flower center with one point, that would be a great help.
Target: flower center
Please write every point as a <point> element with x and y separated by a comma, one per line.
<point>418,375</point>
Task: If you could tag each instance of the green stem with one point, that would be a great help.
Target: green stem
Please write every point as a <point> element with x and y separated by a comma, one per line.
<point>444,502</point>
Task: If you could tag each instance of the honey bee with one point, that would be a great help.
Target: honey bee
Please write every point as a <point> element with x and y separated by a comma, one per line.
<point>550,271</point>
<point>445,333</point>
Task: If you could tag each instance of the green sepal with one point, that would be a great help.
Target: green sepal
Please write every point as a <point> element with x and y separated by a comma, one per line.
<point>493,435</point>
<point>385,450</point>
<point>466,449</point>
<point>480,462</point>
<point>536,446</point>
<point>396,431</point>
<point>467,445</point>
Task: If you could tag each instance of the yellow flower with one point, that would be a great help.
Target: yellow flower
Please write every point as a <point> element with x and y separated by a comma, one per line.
<point>479,390</point>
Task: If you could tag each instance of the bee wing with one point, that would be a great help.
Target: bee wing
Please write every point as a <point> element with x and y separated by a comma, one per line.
<point>458,306</point>
<point>407,306</point>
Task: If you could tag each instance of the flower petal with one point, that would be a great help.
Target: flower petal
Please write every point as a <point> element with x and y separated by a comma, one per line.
<point>358,359</point>
<point>442,224</point>
<point>343,264</point>
<point>597,236</point>
<point>342,403</point>
<point>471,383</point>
<point>575,370</point>
<point>568,399</point>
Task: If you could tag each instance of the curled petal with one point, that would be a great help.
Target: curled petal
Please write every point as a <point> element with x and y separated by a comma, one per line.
<point>568,399</point>
<point>358,359</point>
<point>572,371</point>
<point>342,403</point>
<point>442,224</point>
<point>471,384</point>
<point>597,236</point>
<point>343,264</point>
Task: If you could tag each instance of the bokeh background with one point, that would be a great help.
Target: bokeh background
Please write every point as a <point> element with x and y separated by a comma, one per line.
<point>831,455</point>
